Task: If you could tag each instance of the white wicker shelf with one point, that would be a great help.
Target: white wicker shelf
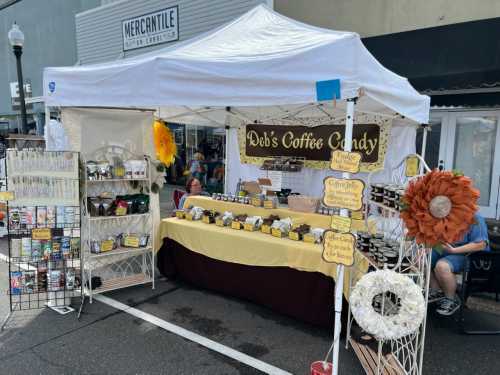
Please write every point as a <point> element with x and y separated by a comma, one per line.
<point>122,217</point>
<point>120,250</point>
<point>118,180</point>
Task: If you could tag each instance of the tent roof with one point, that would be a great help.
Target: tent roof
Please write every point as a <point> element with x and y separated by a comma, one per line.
<point>260,59</point>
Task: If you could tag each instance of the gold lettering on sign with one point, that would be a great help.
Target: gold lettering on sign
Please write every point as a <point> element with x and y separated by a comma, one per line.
<point>345,161</point>
<point>339,248</point>
<point>341,224</point>
<point>343,193</point>
<point>41,234</point>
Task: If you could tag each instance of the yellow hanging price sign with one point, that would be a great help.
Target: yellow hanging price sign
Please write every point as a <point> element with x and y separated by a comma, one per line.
<point>343,193</point>
<point>345,161</point>
<point>412,166</point>
<point>339,248</point>
<point>341,224</point>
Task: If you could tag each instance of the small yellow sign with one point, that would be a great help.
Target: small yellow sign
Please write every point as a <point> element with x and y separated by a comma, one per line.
<point>189,217</point>
<point>345,161</point>
<point>236,225</point>
<point>257,202</point>
<point>106,245</point>
<point>341,224</point>
<point>269,204</point>
<point>6,195</point>
<point>339,248</point>
<point>131,241</point>
<point>357,215</point>
<point>219,222</point>
<point>294,236</point>
<point>265,229</point>
<point>180,214</point>
<point>309,238</point>
<point>276,232</point>
<point>121,211</point>
<point>41,234</point>
<point>206,219</point>
<point>412,166</point>
<point>343,193</point>
<point>249,227</point>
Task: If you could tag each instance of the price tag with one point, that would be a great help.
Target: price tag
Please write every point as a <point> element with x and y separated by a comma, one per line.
<point>106,245</point>
<point>257,202</point>
<point>309,238</point>
<point>219,222</point>
<point>180,214</point>
<point>6,195</point>
<point>343,193</point>
<point>248,227</point>
<point>236,225</point>
<point>345,161</point>
<point>341,224</point>
<point>121,211</point>
<point>265,229</point>
<point>41,234</point>
<point>206,219</point>
<point>339,248</point>
<point>276,232</point>
<point>294,236</point>
<point>189,217</point>
<point>412,166</point>
<point>357,215</point>
<point>131,241</point>
<point>269,204</point>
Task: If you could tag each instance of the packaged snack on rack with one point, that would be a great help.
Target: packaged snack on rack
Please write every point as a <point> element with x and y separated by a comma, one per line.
<point>29,281</point>
<point>16,278</point>
<point>41,216</point>
<point>51,216</point>
<point>26,247</point>
<point>14,219</point>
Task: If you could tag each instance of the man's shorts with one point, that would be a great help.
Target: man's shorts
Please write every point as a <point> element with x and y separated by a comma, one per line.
<point>456,261</point>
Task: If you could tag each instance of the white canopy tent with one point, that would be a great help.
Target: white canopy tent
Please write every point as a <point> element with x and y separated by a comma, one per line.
<point>260,67</point>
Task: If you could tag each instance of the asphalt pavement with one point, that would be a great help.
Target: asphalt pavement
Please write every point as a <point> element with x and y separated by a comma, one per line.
<point>108,341</point>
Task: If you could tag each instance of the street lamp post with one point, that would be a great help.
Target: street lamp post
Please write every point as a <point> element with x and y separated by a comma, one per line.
<point>16,39</point>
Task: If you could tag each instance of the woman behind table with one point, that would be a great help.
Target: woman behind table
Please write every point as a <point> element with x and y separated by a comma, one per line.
<point>193,187</point>
<point>451,260</point>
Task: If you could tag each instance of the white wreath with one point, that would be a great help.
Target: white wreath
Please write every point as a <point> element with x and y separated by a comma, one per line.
<point>389,327</point>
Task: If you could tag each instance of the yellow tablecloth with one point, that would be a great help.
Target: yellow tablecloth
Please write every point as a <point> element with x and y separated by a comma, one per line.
<point>254,248</point>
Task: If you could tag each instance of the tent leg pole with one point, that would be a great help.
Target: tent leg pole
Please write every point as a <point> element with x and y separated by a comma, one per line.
<point>424,147</point>
<point>339,286</point>
<point>226,166</point>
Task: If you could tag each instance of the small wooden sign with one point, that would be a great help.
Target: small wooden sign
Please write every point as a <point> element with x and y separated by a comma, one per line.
<point>249,227</point>
<point>41,234</point>
<point>122,211</point>
<point>343,193</point>
<point>339,248</point>
<point>219,222</point>
<point>257,202</point>
<point>131,241</point>
<point>7,196</point>
<point>276,232</point>
<point>236,225</point>
<point>265,229</point>
<point>412,164</point>
<point>179,214</point>
<point>189,217</point>
<point>345,161</point>
<point>309,238</point>
<point>294,236</point>
<point>106,245</point>
<point>341,224</point>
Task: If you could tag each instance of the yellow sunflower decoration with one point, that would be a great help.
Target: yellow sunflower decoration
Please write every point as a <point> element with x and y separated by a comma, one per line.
<point>165,146</point>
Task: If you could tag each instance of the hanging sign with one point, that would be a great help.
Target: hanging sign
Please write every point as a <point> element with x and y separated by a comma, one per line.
<point>151,29</point>
<point>343,193</point>
<point>412,164</point>
<point>339,248</point>
<point>345,161</point>
<point>315,144</point>
<point>341,224</point>
<point>6,196</point>
<point>41,234</point>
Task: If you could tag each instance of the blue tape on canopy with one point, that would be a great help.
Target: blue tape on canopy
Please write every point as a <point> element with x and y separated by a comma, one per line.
<point>328,90</point>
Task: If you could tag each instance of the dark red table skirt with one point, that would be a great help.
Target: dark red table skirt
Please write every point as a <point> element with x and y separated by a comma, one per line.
<point>306,296</point>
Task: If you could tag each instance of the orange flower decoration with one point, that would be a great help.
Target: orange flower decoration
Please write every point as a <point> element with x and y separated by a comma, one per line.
<point>440,207</point>
<point>166,149</point>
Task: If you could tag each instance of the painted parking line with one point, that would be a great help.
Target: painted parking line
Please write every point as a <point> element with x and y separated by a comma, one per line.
<point>194,337</point>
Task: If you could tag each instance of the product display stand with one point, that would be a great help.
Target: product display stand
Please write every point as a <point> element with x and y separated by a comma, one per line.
<point>117,250</point>
<point>404,355</point>
<point>43,229</point>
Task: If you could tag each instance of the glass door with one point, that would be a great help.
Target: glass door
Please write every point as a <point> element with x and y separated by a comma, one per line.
<point>469,142</point>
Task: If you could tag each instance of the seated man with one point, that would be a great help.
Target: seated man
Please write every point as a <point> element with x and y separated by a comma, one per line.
<point>451,260</point>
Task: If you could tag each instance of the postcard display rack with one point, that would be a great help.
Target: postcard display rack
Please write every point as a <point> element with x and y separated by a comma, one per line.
<point>43,229</point>
<point>404,355</point>
<point>117,232</point>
